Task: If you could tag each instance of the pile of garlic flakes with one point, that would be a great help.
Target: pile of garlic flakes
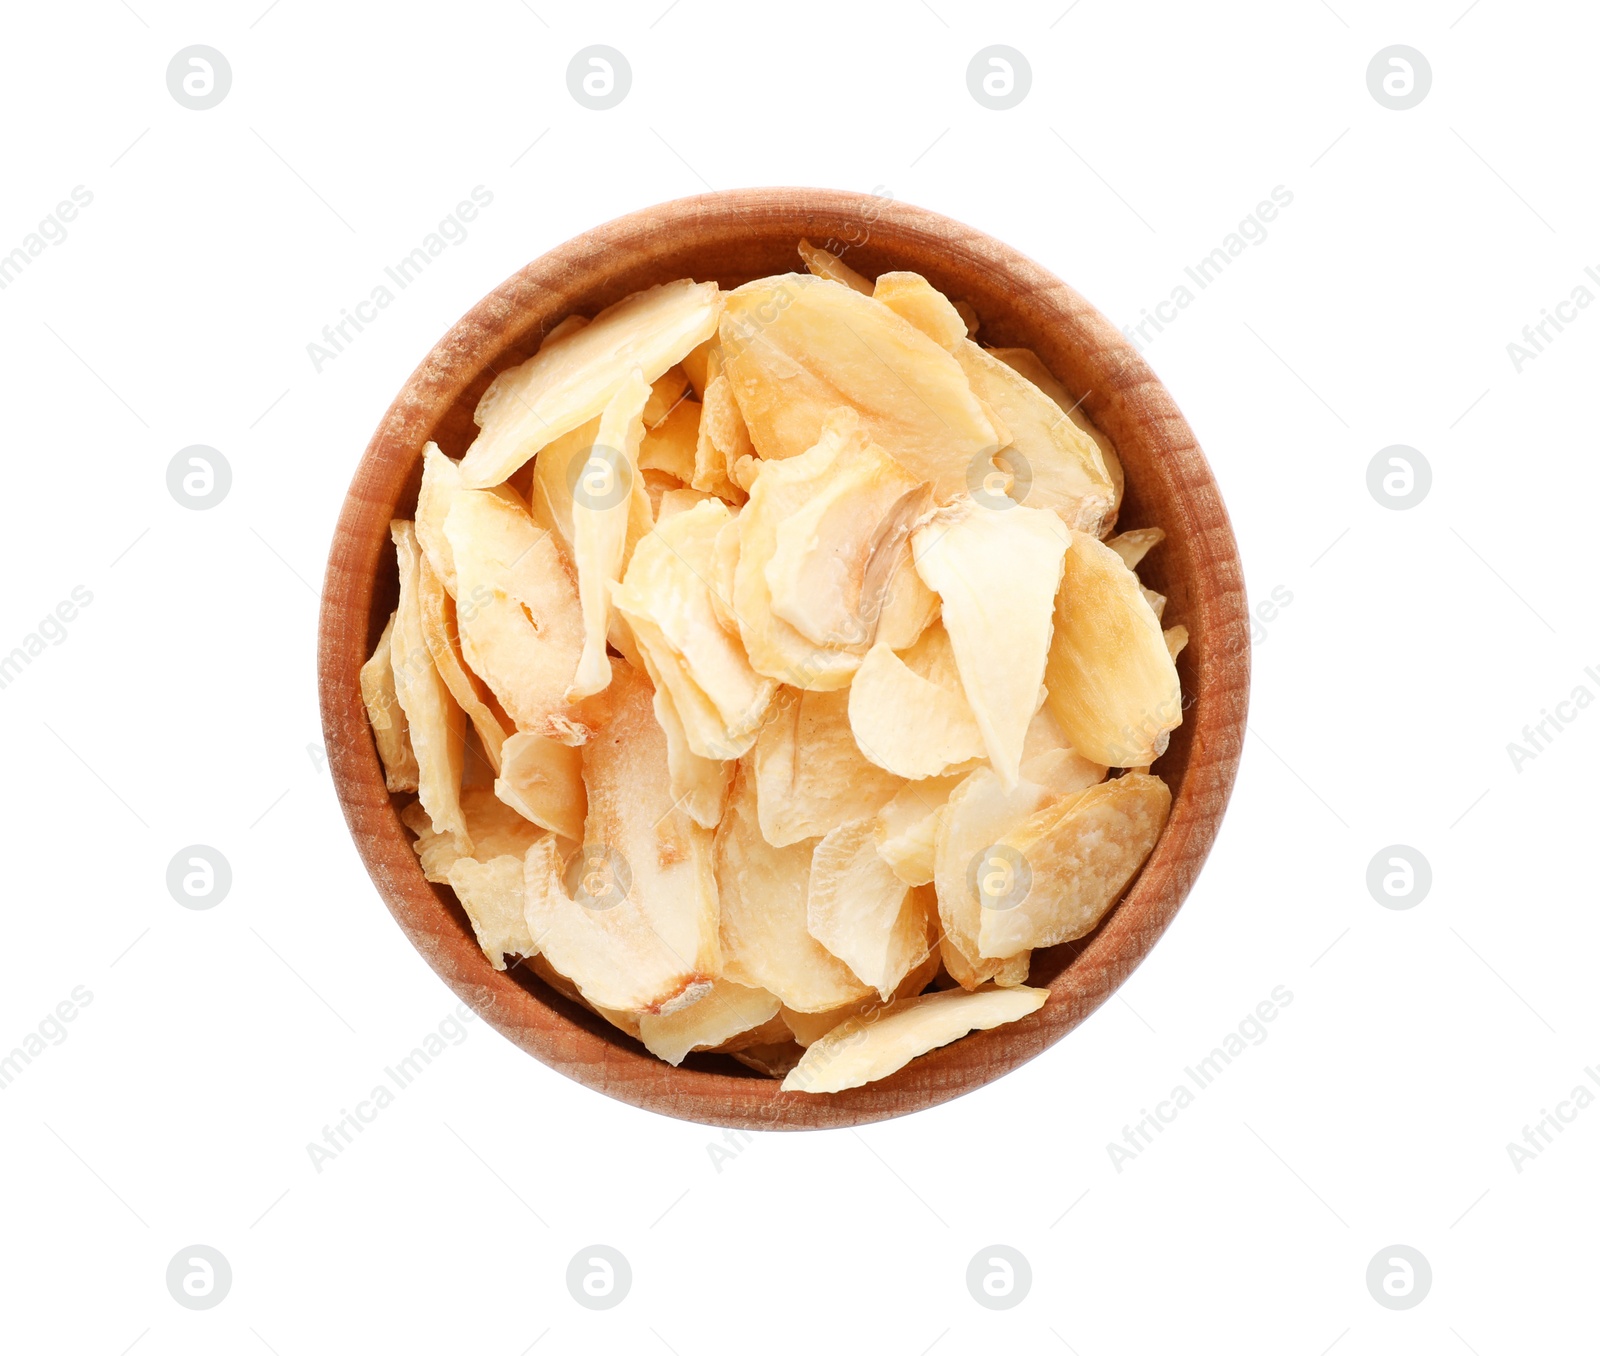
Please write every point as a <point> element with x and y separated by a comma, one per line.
<point>760,668</point>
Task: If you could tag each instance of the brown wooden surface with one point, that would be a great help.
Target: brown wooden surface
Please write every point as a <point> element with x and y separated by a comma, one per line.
<point>733,237</point>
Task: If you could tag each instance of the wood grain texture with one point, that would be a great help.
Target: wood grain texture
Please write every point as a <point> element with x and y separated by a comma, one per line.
<point>733,237</point>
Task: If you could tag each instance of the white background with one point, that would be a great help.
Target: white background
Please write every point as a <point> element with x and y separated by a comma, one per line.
<point>181,708</point>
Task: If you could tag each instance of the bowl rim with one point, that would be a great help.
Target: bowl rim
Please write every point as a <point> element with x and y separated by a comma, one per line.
<point>1125,400</point>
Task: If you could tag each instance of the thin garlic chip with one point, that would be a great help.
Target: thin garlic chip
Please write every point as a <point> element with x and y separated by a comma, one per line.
<point>496,831</point>
<point>795,348</point>
<point>1113,687</point>
<point>1013,972</point>
<point>666,391</point>
<point>571,381</point>
<point>977,815</point>
<point>641,523</point>
<point>553,477</point>
<point>725,1012</point>
<point>386,717</point>
<point>996,571</point>
<point>1053,877</point>
<point>668,600</point>
<point>823,264</point>
<point>809,1027</point>
<point>743,472</point>
<point>811,771</point>
<point>493,894</point>
<point>724,568</point>
<point>488,881</point>
<point>1051,762</point>
<point>697,367</point>
<point>909,713</point>
<point>722,439</point>
<point>443,637</point>
<point>1044,734</point>
<point>441,478</point>
<point>781,490</point>
<point>656,485</point>
<point>542,780</point>
<point>1027,362</point>
<point>626,1022</point>
<point>835,557</point>
<point>972,974</point>
<point>699,784</point>
<point>1061,772</point>
<point>631,915</point>
<point>774,1029</point>
<point>603,495</point>
<point>914,299</point>
<point>909,605</point>
<point>562,328</point>
<point>434,721</point>
<point>1176,637</point>
<point>1135,544</point>
<point>670,445</point>
<point>865,914</point>
<point>762,890</point>
<point>521,627</point>
<point>1050,462</point>
<point>867,1048</point>
<point>906,828</point>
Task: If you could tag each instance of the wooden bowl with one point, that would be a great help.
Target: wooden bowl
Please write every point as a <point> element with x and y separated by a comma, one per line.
<point>733,237</point>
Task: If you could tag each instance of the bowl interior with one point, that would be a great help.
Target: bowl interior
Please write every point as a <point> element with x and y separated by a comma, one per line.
<point>732,238</point>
